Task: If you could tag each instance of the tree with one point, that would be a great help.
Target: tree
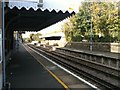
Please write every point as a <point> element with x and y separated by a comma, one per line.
<point>35,37</point>
<point>104,18</point>
<point>31,37</point>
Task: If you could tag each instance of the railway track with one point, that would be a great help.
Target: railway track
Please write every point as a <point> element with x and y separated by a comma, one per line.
<point>95,73</point>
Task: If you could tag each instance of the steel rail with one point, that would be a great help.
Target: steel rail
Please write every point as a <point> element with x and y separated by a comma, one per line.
<point>66,62</point>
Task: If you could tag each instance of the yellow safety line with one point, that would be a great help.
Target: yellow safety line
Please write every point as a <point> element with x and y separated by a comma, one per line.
<point>59,80</point>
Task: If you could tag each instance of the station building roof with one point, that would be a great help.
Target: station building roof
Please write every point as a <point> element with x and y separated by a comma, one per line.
<point>58,34</point>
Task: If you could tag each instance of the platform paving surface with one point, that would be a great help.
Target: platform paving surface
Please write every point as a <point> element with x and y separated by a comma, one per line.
<point>24,71</point>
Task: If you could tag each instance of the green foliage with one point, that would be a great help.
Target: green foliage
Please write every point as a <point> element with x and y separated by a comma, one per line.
<point>35,37</point>
<point>100,17</point>
<point>31,37</point>
<point>27,40</point>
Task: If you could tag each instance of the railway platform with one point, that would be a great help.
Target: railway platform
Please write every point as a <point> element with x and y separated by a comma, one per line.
<point>99,53</point>
<point>106,58</point>
<point>23,71</point>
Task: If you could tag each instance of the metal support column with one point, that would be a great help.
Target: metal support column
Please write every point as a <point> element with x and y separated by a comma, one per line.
<point>3,45</point>
<point>1,74</point>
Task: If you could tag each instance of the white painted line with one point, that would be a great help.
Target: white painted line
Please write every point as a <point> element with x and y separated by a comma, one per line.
<point>65,69</point>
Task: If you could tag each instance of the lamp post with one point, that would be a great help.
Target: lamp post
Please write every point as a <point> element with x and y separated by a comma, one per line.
<point>40,4</point>
<point>91,34</point>
<point>91,30</point>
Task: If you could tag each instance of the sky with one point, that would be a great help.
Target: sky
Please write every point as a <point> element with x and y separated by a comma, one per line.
<point>73,3</point>
<point>53,27</point>
<point>65,4</point>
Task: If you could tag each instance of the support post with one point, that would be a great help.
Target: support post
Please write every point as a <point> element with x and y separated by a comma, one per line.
<point>3,45</point>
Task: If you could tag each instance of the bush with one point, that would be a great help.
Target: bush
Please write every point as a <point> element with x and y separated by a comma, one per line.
<point>77,38</point>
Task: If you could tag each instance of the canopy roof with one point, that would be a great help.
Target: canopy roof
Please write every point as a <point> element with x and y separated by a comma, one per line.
<point>27,16</point>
